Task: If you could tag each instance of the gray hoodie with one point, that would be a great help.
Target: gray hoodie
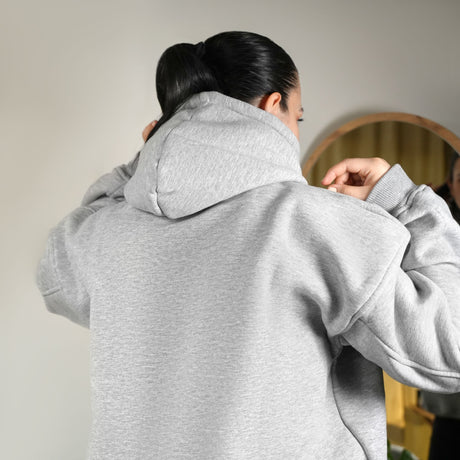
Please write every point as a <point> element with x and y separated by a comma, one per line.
<point>237,312</point>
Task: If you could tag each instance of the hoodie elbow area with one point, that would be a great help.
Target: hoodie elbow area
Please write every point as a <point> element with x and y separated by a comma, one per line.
<point>56,303</point>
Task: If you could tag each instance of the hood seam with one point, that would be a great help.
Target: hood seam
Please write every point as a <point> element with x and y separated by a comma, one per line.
<point>200,143</point>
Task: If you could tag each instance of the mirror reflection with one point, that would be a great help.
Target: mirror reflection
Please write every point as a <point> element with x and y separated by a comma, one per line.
<point>423,154</point>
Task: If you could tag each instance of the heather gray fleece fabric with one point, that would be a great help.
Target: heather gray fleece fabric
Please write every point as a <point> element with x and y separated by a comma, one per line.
<point>237,312</point>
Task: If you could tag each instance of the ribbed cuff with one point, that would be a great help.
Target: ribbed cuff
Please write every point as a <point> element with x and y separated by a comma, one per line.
<point>392,189</point>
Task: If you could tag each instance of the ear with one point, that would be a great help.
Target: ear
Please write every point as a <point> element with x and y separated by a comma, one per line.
<point>271,103</point>
<point>449,184</point>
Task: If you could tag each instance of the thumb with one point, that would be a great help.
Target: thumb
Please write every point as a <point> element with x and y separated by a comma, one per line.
<point>361,192</point>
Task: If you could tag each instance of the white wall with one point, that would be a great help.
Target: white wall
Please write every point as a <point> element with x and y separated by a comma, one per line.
<point>76,90</point>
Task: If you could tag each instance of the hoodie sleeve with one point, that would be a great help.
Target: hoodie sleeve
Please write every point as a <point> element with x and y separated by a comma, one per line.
<point>59,276</point>
<point>410,326</point>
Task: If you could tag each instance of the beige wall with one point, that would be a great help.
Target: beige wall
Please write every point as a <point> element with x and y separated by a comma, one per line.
<point>76,89</point>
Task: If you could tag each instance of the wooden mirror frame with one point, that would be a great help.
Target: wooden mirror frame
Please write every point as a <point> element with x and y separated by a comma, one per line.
<point>443,133</point>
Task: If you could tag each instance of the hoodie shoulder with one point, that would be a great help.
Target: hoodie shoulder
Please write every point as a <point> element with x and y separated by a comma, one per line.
<point>344,246</point>
<point>332,207</point>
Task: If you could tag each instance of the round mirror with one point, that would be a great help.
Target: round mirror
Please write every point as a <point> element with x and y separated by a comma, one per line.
<point>422,147</point>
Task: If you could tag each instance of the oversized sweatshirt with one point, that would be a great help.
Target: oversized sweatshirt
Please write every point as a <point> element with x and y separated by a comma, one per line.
<point>236,312</point>
<point>444,405</point>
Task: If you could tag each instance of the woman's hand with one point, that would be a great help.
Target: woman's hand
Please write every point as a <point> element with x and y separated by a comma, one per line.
<point>355,176</point>
<point>148,129</point>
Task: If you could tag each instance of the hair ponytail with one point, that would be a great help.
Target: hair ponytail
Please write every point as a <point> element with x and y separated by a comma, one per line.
<point>242,65</point>
<point>181,73</point>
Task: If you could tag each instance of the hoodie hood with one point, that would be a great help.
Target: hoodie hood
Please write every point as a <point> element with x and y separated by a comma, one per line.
<point>213,148</point>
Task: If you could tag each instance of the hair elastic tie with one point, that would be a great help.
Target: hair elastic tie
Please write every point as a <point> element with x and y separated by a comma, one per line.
<point>200,49</point>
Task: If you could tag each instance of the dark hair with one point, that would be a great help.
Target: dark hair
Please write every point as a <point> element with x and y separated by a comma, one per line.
<point>455,156</point>
<point>242,65</point>
<point>443,190</point>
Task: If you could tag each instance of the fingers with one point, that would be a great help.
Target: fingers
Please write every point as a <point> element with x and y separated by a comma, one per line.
<point>329,177</point>
<point>360,192</point>
<point>355,176</point>
<point>148,129</point>
<point>354,171</point>
<point>343,178</point>
<point>341,171</point>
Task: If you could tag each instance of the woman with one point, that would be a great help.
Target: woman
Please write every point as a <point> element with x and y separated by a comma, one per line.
<point>235,311</point>
<point>445,444</point>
